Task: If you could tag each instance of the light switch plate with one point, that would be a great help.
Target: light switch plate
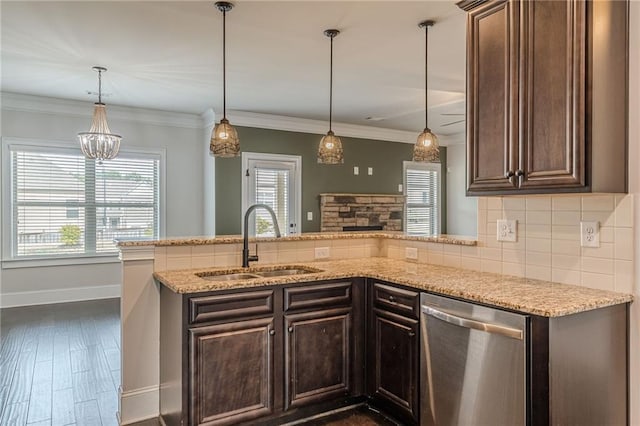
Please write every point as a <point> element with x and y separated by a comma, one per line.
<point>399,187</point>
<point>590,234</point>
<point>507,230</point>
<point>370,171</point>
<point>322,252</point>
<point>309,215</point>
<point>356,170</point>
<point>411,253</point>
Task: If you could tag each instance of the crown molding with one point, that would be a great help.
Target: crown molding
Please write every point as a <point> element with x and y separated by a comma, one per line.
<point>40,104</point>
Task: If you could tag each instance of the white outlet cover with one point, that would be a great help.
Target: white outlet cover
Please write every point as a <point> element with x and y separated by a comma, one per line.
<point>411,253</point>
<point>590,234</point>
<point>370,171</point>
<point>309,215</point>
<point>507,230</point>
<point>356,170</point>
<point>322,252</point>
<point>399,187</point>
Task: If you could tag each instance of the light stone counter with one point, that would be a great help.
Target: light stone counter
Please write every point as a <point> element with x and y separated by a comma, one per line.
<point>310,236</point>
<point>535,297</point>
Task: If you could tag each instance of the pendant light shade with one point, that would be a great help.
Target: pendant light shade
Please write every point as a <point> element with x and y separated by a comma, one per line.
<point>330,149</point>
<point>99,143</point>
<point>426,148</point>
<point>224,138</point>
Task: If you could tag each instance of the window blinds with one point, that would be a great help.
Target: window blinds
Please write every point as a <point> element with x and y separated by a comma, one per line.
<point>64,204</point>
<point>272,189</point>
<point>422,185</point>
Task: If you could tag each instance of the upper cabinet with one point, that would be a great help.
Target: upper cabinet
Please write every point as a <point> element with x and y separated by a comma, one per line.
<point>546,96</point>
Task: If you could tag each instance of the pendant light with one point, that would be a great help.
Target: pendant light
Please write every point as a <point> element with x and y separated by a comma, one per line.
<point>426,148</point>
<point>224,138</point>
<point>330,150</point>
<point>99,143</point>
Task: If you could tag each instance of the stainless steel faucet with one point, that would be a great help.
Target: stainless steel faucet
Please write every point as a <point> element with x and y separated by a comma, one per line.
<point>246,257</point>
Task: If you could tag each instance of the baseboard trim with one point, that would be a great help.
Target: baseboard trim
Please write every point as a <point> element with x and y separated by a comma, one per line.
<point>61,295</point>
<point>139,405</point>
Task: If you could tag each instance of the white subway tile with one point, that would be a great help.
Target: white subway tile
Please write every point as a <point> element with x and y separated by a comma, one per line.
<point>538,272</point>
<point>471,263</point>
<point>565,232</point>
<point>482,203</point>
<point>513,256</point>
<point>538,244</point>
<point>604,202</point>
<point>605,218</point>
<point>482,222</point>
<point>519,215</point>
<point>597,265</point>
<point>178,251</point>
<point>561,261</point>
<point>535,217</point>
<point>539,203</point>
<point>520,244</point>
<point>598,281</point>
<point>435,247</point>
<point>605,251</point>
<point>624,276</point>
<point>494,203</point>
<point>540,259</point>
<point>203,250</point>
<point>160,261</point>
<point>565,218</point>
<point>566,276</point>
<point>435,258</point>
<point>537,231</point>
<point>305,255</point>
<point>452,249</point>
<point>515,269</point>
<point>226,249</point>
<point>493,266</point>
<point>470,251</point>
<point>451,260</point>
<point>423,256</point>
<point>607,234</point>
<point>513,203</point>
<point>566,247</point>
<point>562,202</point>
<point>623,244</point>
<point>175,262</point>
<point>624,211</point>
<point>492,241</point>
<point>202,261</point>
<point>491,253</point>
<point>494,215</point>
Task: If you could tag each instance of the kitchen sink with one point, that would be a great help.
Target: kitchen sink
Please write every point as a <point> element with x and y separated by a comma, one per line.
<point>257,273</point>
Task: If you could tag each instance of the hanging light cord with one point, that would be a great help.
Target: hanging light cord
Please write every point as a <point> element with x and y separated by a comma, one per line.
<point>426,59</point>
<point>224,64</point>
<point>331,85</point>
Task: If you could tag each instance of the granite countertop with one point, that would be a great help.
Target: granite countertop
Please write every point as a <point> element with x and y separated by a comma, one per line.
<point>310,236</point>
<point>530,296</point>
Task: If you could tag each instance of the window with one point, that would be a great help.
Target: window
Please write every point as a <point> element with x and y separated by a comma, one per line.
<point>422,191</point>
<point>274,180</point>
<point>63,204</point>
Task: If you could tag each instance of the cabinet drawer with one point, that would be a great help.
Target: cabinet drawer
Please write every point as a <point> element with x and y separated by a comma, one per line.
<point>229,306</point>
<point>316,296</point>
<point>404,302</point>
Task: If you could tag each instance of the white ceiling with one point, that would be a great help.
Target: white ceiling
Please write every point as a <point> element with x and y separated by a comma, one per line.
<point>167,55</point>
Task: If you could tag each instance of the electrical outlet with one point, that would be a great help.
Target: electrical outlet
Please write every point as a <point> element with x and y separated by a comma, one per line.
<point>399,187</point>
<point>370,171</point>
<point>322,252</point>
<point>309,215</point>
<point>507,230</point>
<point>411,253</point>
<point>356,170</point>
<point>590,234</point>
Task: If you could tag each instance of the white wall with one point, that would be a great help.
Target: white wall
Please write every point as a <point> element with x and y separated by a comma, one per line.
<point>461,210</point>
<point>180,135</point>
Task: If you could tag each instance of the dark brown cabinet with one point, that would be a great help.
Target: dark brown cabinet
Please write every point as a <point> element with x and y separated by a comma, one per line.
<point>546,96</point>
<point>393,350</point>
<point>231,372</point>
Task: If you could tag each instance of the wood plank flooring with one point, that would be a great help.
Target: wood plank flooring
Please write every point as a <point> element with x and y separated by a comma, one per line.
<point>60,364</point>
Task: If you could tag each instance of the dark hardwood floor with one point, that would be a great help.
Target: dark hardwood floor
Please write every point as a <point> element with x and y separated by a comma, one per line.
<point>60,364</point>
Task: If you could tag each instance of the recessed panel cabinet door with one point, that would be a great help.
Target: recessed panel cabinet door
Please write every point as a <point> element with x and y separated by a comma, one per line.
<point>394,371</point>
<point>317,356</point>
<point>492,93</point>
<point>552,107</point>
<point>231,372</point>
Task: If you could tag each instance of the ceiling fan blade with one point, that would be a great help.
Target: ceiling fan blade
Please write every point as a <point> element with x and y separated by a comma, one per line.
<point>453,122</point>
<point>452,113</point>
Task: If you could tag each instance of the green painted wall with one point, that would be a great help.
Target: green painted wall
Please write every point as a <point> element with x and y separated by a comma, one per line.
<point>385,157</point>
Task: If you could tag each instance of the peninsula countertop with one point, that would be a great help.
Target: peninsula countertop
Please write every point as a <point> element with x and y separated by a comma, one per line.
<point>526,295</point>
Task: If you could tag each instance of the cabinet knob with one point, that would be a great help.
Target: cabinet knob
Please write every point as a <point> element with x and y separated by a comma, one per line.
<point>272,332</point>
<point>412,334</point>
<point>519,173</point>
<point>509,174</point>
<point>290,329</point>
<point>391,299</point>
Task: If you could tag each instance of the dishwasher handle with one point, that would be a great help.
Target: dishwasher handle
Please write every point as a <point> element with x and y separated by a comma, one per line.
<point>513,333</point>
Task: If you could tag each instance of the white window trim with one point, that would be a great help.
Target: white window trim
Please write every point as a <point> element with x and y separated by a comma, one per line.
<point>260,156</point>
<point>437,167</point>
<point>6,218</point>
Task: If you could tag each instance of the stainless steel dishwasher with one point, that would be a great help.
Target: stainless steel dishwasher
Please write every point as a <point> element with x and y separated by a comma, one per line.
<point>473,364</point>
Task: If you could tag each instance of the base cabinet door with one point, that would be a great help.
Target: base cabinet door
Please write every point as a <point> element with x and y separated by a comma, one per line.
<point>231,372</point>
<point>394,358</point>
<point>317,356</point>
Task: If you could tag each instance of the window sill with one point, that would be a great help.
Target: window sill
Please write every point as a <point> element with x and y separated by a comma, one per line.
<point>59,261</point>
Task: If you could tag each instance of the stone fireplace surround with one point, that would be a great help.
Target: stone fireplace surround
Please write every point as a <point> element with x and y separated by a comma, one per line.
<point>341,210</point>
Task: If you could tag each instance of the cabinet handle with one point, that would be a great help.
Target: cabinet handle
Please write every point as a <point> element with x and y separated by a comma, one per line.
<point>391,299</point>
<point>519,173</point>
<point>272,332</point>
<point>290,329</point>
<point>412,334</point>
<point>509,174</point>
